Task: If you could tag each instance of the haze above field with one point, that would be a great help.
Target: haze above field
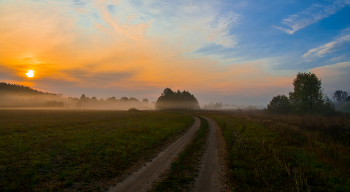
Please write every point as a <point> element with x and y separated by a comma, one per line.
<point>242,52</point>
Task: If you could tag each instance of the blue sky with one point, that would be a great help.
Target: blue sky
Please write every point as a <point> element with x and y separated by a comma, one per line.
<point>237,52</point>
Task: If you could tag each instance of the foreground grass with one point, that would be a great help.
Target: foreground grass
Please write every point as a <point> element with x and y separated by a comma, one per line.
<point>185,168</point>
<point>55,150</point>
<point>265,155</point>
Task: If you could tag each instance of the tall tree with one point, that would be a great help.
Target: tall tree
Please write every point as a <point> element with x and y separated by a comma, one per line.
<point>307,96</point>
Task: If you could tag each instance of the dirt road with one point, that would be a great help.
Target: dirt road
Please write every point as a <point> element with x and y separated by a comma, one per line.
<point>210,170</point>
<point>142,179</point>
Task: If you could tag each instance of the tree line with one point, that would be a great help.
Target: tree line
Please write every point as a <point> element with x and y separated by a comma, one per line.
<point>22,89</point>
<point>13,95</point>
<point>123,102</point>
<point>307,98</point>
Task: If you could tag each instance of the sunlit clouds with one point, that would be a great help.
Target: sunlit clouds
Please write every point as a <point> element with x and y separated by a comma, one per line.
<point>137,48</point>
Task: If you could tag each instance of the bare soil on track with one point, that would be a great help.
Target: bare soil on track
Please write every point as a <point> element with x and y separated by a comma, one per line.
<point>209,178</point>
<point>143,179</point>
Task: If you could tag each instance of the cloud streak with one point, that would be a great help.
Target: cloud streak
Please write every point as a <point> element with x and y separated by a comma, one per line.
<point>310,15</point>
<point>334,77</point>
<point>328,47</point>
<point>179,22</point>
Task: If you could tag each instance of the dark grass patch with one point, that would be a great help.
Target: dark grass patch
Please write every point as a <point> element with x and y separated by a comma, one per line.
<point>185,168</point>
<point>275,157</point>
<point>55,150</point>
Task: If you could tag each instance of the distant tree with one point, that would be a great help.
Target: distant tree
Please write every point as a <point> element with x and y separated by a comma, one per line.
<point>279,104</point>
<point>347,99</point>
<point>211,105</point>
<point>251,108</point>
<point>83,97</point>
<point>145,101</point>
<point>178,93</point>
<point>340,96</point>
<point>167,92</point>
<point>93,101</point>
<point>124,99</point>
<point>327,99</point>
<point>218,106</point>
<point>61,104</point>
<point>307,96</point>
<point>133,99</point>
<point>170,100</point>
<point>111,99</point>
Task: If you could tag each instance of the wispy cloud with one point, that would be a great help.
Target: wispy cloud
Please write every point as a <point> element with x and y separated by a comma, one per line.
<point>334,77</point>
<point>332,70</point>
<point>328,47</point>
<point>186,23</point>
<point>311,15</point>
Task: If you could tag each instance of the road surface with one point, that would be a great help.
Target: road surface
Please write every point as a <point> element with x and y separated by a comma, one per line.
<point>210,170</point>
<point>143,179</point>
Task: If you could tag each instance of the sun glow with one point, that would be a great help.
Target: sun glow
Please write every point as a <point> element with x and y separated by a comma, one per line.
<point>30,73</point>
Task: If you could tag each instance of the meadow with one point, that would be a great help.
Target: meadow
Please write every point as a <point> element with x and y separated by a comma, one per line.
<point>91,150</point>
<point>52,150</point>
<point>269,152</point>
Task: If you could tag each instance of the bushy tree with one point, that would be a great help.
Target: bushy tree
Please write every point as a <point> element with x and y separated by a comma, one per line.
<point>340,95</point>
<point>111,99</point>
<point>133,99</point>
<point>83,97</point>
<point>279,104</point>
<point>307,96</point>
<point>170,100</point>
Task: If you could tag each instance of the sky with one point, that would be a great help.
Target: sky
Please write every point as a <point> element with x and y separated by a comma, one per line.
<point>241,52</point>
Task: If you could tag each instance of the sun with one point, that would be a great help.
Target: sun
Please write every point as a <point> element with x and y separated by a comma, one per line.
<point>30,73</point>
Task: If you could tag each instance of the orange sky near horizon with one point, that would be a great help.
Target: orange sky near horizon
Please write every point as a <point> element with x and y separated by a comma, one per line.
<point>60,48</point>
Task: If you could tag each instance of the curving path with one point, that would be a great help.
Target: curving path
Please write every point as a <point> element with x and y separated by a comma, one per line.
<point>210,170</point>
<point>142,179</point>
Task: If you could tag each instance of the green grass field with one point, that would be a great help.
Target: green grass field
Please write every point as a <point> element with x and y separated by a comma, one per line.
<point>48,150</point>
<point>274,153</point>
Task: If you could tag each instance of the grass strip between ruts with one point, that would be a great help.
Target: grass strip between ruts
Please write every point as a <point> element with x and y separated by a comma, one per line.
<point>185,168</point>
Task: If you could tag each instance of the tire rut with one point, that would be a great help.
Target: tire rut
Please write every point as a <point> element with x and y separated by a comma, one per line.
<point>209,177</point>
<point>143,179</point>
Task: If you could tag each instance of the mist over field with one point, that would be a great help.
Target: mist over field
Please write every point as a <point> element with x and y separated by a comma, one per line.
<point>19,96</point>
